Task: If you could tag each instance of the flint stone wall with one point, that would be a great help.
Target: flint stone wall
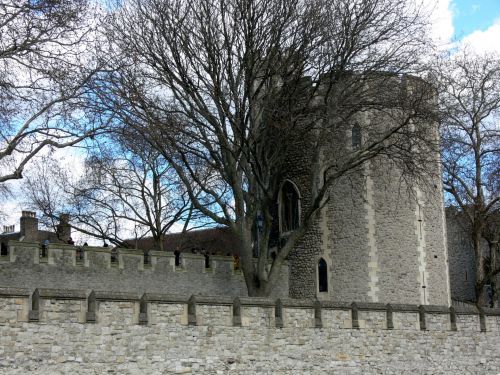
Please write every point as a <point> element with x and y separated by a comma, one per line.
<point>218,335</point>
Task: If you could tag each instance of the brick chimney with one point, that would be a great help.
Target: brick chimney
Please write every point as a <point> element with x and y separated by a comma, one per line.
<point>8,229</point>
<point>29,226</point>
<point>64,228</point>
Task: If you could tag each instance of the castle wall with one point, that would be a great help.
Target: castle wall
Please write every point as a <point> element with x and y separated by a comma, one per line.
<point>171,334</point>
<point>24,268</point>
<point>462,257</point>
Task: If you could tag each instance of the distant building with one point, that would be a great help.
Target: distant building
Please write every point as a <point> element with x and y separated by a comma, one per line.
<point>29,232</point>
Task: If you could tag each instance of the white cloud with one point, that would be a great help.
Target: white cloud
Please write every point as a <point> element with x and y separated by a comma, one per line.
<point>484,41</point>
<point>441,21</point>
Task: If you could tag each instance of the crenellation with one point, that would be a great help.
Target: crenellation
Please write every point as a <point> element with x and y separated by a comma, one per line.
<point>437,318</point>
<point>491,319</point>
<point>23,269</point>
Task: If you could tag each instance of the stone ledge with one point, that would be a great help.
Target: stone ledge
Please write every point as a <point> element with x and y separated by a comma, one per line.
<point>256,301</point>
<point>300,303</point>
<point>490,312</point>
<point>335,305</point>
<point>370,306</point>
<point>14,292</point>
<point>211,300</point>
<point>99,295</point>
<point>164,298</point>
<point>401,307</point>
<point>466,310</point>
<point>61,294</point>
<point>435,309</point>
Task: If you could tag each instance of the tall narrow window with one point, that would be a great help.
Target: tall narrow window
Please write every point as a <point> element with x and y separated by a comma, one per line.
<point>322,276</point>
<point>289,207</point>
<point>5,250</point>
<point>356,137</point>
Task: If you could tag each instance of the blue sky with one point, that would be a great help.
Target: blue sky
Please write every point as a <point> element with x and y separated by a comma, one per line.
<point>472,15</point>
<point>476,22</point>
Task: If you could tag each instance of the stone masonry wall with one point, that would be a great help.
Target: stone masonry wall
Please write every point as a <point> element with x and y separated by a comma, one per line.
<point>23,268</point>
<point>58,332</point>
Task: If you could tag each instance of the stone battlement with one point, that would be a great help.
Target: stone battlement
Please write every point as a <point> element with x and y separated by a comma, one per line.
<point>107,307</point>
<point>61,331</point>
<point>26,266</point>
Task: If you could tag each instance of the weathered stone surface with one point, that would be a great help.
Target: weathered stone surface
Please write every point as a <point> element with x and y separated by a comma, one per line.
<point>60,343</point>
<point>24,272</point>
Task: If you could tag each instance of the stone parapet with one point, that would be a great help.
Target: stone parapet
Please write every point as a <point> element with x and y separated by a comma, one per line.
<point>94,268</point>
<point>169,333</point>
<point>225,310</point>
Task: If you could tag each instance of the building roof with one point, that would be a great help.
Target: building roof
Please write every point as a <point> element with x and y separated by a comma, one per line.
<point>42,235</point>
<point>214,241</point>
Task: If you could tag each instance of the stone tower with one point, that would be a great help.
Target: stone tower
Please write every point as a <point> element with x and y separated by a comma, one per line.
<point>380,238</point>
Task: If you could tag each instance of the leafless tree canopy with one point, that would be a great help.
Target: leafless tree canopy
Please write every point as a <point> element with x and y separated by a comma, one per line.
<point>470,131</point>
<point>46,66</point>
<point>227,89</point>
<point>126,192</point>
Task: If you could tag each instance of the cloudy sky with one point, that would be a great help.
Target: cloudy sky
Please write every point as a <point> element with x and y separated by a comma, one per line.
<point>475,22</point>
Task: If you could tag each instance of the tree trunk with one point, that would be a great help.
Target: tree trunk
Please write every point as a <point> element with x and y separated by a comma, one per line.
<point>481,297</point>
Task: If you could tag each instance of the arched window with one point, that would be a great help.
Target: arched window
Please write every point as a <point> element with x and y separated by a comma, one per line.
<point>356,137</point>
<point>322,276</point>
<point>289,207</point>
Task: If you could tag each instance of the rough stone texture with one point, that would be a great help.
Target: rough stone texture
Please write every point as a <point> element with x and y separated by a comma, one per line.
<point>336,319</point>
<point>24,270</point>
<point>116,344</point>
<point>256,316</point>
<point>11,310</point>
<point>462,258</point>
<point>166,313</point>
<point>348,240</point>
<point>372,319</point>
<point>437,322</point>
<point>493,324</point>
<point>214,315</point>
<point>469,323</point>
<point>59,311</point>
<point>297,317</point>
<point>406,321</point>
<point>117,313</point>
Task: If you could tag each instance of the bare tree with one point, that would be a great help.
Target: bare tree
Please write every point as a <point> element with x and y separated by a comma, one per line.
<point>125,188</point>
<point>227,90</point>
<point>46,68</point>
<point>470,132</point>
